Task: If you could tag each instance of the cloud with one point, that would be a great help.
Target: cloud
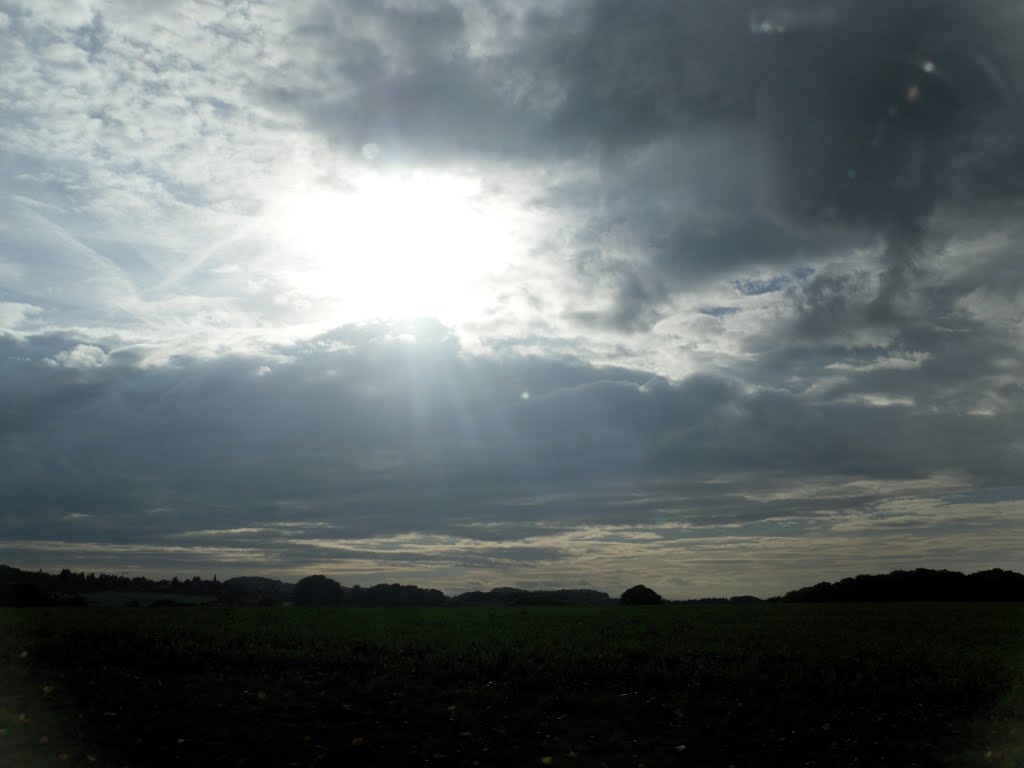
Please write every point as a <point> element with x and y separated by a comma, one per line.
<point>15,313</point>
<point>671,150</point>
<point>750,267</point>
<point>81,356</point>
<point>375,432</point>
<point>687,112</point>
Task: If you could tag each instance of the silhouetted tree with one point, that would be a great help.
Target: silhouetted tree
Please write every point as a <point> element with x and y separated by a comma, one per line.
<point>640,595</point>
<point>400,594</point>
<point>921,584</point>
<point>317,590</point>
<point>254,590</point>
<point>997,584</point>
<point>514,596</point>
<point>23,594</point>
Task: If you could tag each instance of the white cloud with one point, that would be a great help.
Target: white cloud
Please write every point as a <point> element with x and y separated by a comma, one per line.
<point>14,314</point>
<point>905,362</point>
<point>83,356</point>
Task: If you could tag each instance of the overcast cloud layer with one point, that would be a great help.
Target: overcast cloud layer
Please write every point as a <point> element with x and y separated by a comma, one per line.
<point>723,297</point>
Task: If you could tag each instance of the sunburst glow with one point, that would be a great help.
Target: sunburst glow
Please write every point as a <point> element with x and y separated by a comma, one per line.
<point>401,246</point>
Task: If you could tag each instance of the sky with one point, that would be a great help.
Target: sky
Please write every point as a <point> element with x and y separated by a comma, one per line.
<point>719,297</point>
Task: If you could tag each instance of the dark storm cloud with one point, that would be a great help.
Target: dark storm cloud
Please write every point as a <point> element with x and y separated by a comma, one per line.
<point>398,77</point>
<point>893,110</point>
<point>375,434</point>
<point>729,133</point>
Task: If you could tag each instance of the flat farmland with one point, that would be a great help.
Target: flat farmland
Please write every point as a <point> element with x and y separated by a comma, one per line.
<point>738,685</point>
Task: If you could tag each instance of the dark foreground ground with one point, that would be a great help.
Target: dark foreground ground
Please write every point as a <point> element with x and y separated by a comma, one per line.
<point>767,685</point>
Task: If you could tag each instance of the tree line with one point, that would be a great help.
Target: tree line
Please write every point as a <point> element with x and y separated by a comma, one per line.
<point>920,585</point>
<point>27,588</point>
<point>19,587</point>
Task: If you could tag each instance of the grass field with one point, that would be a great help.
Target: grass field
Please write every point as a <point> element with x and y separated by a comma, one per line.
<point>113,599</point>
<point>761,685</point>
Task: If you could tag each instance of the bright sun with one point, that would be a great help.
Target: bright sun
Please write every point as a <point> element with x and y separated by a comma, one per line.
<point>397,246</point>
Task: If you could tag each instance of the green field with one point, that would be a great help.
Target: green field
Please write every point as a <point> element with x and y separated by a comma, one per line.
<point>116,599</point>
<point>759,685</point>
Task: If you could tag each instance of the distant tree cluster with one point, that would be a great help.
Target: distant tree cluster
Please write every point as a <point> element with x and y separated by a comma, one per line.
<point>255,590</point>
<point>317,591</point>
<point>922,584</point>
<point>24,594</point>
<point>514,596</point>
<point>322,591</point>
<point>18,587</point>
<point>736,600</point>
<point>640,595</point>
